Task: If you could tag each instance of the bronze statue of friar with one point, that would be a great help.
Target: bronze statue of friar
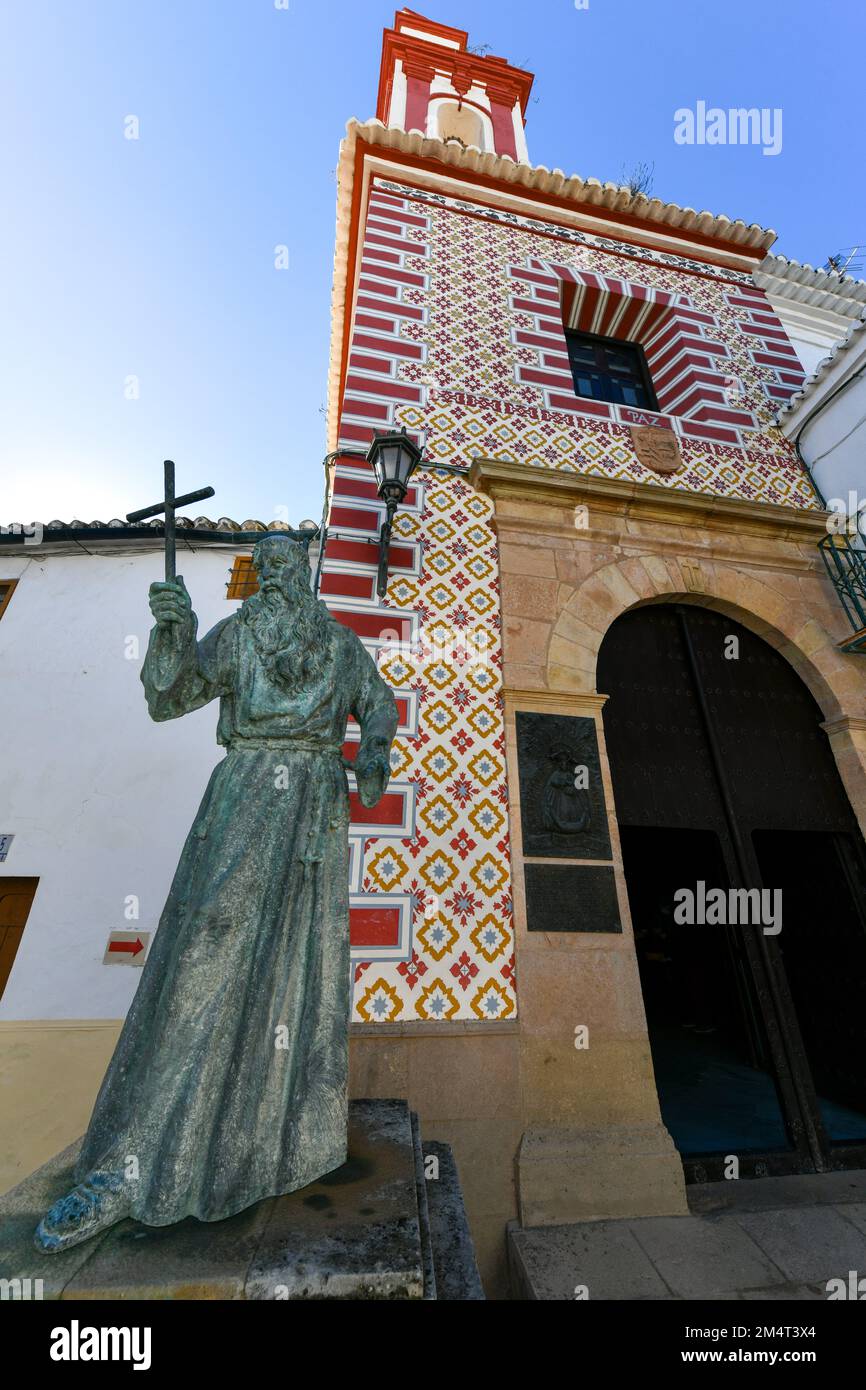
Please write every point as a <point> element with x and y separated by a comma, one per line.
<point>229,1082</point>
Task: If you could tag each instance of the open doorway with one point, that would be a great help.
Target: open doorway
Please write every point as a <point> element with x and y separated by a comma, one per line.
<point>724,780</point>
<point>716,1085</point>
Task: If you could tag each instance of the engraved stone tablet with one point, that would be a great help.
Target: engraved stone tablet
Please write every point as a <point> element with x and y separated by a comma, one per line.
<point>571,898</point>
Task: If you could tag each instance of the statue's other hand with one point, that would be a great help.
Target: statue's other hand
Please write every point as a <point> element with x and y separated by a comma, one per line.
<point>374,765</point>
<point>371,775</point>
<point>170,603</point>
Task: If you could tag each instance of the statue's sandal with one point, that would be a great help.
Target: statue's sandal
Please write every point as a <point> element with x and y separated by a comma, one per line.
<point>95,1204</point>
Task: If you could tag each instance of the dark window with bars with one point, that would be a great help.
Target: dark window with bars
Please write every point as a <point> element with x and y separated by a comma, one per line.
<point>606,369</point>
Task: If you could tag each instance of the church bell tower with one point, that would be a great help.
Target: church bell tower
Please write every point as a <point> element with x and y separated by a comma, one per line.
<point>430,81</point>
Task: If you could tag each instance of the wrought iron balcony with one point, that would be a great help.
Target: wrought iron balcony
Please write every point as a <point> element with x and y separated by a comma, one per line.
<point>845,561</point>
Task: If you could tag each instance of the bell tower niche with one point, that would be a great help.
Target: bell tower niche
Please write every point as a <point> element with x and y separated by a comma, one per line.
<point>432,83</point>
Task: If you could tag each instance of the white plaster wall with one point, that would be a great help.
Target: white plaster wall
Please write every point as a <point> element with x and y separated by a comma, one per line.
<point>519,135</point>
<point>813,332</point>
<point>808,350</point>
<point>834,446</point>
<point>428,38</point>
<point>830,424</point>
<point>99,797</point>
<point>397,109</point>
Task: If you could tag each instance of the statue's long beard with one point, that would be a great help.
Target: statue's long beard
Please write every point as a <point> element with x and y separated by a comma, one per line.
<point>290,632</point>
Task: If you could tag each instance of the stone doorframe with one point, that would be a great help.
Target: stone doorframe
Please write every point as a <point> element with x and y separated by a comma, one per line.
<point>576,551</point>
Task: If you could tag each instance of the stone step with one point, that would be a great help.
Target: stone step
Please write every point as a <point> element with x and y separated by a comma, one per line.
<point>389,1224</point>
<point>457,1277</point>
<point>358,1233</point>
<point>423,1212</point>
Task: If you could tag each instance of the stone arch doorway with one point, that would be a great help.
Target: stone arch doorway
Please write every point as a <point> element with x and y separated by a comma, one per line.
<point>746,877</point>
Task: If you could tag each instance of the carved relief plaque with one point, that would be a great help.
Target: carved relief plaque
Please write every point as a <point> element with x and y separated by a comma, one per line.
<point>657,448</point>
<point>562,807</point>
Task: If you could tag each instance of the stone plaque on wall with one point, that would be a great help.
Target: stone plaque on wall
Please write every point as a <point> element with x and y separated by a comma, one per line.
<point>571,898</point>
<point>658,449</point>
<point>562,807</point>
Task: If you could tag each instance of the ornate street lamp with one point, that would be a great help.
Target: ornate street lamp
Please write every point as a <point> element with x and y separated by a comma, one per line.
<point>394,458</point>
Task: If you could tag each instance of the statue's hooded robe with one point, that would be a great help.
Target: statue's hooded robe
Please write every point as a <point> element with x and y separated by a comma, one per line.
<point>229,1081</point>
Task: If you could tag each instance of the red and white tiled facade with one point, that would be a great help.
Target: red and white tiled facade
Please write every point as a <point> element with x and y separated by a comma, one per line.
<point>488,301</point>
<point>459,310</point>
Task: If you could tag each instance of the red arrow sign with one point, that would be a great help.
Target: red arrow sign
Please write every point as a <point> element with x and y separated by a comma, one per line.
<point>131,946</point>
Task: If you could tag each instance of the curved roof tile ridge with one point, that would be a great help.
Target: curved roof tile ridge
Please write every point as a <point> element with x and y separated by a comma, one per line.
<point>823,367</point>
<point>804,284</point>
<point>183,523</point>
<point>616,197</point>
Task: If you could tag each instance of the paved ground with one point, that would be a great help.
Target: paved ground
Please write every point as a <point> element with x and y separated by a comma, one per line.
<point>771,1238</point>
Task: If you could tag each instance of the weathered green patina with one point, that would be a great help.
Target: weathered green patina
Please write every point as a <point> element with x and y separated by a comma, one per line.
<point>229,1081</point>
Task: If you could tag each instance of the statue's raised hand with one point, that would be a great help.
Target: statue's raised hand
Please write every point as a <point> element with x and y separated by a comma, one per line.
<point>170,603</point>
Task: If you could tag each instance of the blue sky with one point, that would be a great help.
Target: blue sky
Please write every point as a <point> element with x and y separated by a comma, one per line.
<point>154,258</point>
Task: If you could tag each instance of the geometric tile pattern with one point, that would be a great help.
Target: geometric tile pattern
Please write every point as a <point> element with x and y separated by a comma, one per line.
<point>477,329</point>
<point>458,335</point>
<point>769,345</point>
<point>451,865</point>
<point>683,347</point>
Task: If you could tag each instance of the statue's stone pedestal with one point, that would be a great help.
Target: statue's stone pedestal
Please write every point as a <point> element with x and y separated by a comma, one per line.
<point>377,1228</point>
